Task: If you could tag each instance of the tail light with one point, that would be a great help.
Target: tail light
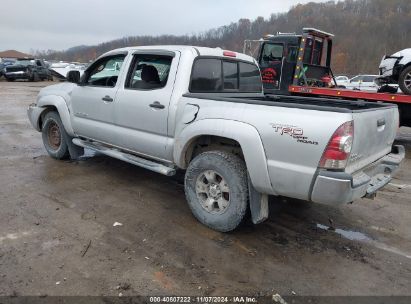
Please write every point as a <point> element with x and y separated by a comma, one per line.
<point>339,147</point>
<point>229,54</point>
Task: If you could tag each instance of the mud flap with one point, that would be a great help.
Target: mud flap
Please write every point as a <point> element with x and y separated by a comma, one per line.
<point>74,151</point>
<point>258,204</point>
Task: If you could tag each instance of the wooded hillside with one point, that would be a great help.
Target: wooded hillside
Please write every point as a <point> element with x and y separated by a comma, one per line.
<point>364,31</point>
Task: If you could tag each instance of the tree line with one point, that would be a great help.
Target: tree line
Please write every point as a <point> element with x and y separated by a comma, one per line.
<point>364,31</point>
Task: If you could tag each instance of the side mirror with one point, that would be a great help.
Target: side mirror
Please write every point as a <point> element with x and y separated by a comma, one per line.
<point>73,76</point>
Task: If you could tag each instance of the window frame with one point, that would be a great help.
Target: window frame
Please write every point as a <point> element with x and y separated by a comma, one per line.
<point>321,42</point>
<point>86,74</point>
<point>134,58</point>
<point>238,75</point>
<point>315,41</point>
<point>225,91</point>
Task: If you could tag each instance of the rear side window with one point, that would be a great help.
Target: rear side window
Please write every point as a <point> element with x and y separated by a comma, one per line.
<point>149,72</point>
<point>250,80</point>
<point>230,75</point>
<point>218,75</point>
<point>206,76</point>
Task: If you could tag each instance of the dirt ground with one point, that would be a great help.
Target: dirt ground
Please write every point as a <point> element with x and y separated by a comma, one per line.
<point>57,235</point>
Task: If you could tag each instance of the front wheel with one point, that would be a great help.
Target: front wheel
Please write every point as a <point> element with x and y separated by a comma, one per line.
<point>216,189</point>
<point>53,136</point>
<point>405,80</point>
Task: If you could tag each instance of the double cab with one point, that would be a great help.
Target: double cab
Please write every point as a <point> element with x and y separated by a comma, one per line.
<point>202,110</point>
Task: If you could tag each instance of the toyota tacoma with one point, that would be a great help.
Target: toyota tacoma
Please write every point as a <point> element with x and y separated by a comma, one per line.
<point>203,110</point>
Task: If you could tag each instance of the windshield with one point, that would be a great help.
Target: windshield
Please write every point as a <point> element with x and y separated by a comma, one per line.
<point>24,62</point>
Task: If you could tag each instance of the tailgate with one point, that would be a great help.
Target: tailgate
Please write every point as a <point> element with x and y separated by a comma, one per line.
<point>374,134</point>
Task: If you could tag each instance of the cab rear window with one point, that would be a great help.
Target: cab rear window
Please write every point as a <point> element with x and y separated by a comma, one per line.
<point>219,75</point>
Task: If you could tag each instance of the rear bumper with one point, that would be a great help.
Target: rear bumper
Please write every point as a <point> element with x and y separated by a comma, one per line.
<point>334,188</point>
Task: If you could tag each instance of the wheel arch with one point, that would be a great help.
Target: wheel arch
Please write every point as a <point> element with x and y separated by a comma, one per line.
<point>219,134</point>
<point>404,66</point>
<point>58,104</point>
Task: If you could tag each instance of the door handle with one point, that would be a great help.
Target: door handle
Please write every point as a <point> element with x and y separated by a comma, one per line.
<point>157,105</point>
<point>107,98</point>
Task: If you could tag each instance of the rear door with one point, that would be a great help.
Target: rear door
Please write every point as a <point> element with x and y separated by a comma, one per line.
<point>374,133</point>
<point>143,103</point>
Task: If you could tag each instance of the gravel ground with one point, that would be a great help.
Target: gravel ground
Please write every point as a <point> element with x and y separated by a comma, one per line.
<point>57,235</point>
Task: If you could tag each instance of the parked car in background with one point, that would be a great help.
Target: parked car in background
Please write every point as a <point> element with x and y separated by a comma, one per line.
<point>30,69</point>
<point>396,69</point>
<point>363,83</point>
<point>342,81</point>
<point>4,62</point>
<point>60,69</point>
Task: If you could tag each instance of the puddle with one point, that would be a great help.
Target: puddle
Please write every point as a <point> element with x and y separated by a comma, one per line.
<point>14,236</point>
<point>348,234</point>
<point>399,187</point>
<point>359,236</point>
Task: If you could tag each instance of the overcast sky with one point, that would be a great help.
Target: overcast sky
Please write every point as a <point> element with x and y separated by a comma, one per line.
<point>60,24</point>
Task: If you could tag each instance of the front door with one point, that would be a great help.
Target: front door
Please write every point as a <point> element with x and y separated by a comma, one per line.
<point>271,64</point>
<point>143,103</point>
<point>93,101</point>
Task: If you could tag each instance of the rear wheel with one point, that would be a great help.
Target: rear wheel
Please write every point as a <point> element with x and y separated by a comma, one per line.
<point>405,80</point>
<point>53,136</point>
<point>9,79</point>
<point>36,77</point>
<point>216,189</point>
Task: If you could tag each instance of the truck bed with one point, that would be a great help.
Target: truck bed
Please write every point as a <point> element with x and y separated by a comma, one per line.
<point>300,102</point>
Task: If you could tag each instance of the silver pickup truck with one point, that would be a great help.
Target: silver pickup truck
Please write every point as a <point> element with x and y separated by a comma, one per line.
<point>202,110</point>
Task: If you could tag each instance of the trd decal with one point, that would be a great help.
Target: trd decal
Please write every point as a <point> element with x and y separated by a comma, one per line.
<point>294,132</point>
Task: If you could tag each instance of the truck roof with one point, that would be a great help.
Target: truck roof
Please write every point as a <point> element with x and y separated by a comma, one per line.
<point>198,50</point>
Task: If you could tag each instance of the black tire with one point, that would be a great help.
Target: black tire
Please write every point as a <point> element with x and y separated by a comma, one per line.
<point>53,135</point>
<point>233,173</point>
<point>35,77</point>
<point>405,80</point>
<point>388,89</point>
<point>10,79</point>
